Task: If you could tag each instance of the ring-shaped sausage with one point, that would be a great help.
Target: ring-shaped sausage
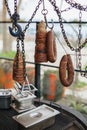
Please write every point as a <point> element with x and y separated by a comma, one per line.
<point>51,47</point>
<point>66,70</point>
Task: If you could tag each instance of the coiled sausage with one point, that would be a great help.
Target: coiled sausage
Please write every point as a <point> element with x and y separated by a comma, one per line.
<point>66,70</point>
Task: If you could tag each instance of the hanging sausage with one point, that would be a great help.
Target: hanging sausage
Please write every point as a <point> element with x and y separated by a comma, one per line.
<point>66,70</point>
<point>51,47</point>
<point>18,68</point>
<point>40,48</point>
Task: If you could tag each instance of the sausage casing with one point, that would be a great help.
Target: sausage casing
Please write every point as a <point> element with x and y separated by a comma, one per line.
<point>66,70</point>
<point>51,47</point>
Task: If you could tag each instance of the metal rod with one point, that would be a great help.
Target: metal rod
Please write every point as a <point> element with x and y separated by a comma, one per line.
<point>37,76</point>
<point>65,22</point>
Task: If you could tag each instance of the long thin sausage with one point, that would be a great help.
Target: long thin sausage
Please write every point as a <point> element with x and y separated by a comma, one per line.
<point>51,47</point>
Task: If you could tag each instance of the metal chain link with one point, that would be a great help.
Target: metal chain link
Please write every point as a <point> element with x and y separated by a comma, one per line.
<point>77,5</point>
<point>18,46</point>
<point>15,6</point>
<point>14,17</point>
<point>8,9</point>
<point>63,31</point>
<point>34,13</point>
<point>83,74</point>
<point>79,42</point>
<point>23,56</point>
<point>9,12</point>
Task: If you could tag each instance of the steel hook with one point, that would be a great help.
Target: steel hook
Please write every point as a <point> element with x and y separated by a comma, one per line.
<point>52,24</point>
<point>47,23</point>
<point>16,33</point>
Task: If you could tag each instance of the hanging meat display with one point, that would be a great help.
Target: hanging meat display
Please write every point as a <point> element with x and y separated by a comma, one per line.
<point>45,49</point>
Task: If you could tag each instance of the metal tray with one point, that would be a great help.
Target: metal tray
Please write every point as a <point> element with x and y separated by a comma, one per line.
<point>35,116</point>
<point>23,109</point>
<point>5,92</point>
<point>20,96</point>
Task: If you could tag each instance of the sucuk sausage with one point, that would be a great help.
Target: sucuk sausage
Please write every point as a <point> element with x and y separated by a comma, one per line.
<point>51,47</point>
<point>66,70</point>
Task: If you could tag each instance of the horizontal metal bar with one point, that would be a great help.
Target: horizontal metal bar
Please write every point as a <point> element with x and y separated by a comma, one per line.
<point>65,22</point>
<point>9,59</point>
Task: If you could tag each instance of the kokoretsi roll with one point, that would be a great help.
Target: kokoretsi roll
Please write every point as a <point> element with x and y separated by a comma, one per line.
<point>51,46</point>
<point>19,68</point>
<point>66,70</point>
<point>40,48</point>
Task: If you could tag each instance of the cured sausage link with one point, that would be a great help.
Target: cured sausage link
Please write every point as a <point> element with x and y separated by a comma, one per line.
<point>66,70</point>
<point>51,47</point>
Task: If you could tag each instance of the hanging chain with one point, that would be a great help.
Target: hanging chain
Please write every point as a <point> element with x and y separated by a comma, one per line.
<point>21,37</point>
<point>8,9</point>
<point>77,5</point>
<point>63,31</point>
<point>15,6</point>
<point>30,20</point>
<point>79,42</point>
<point>53,2</point>
<point>83,74</point>
<point>23,56</point>
<point>9,12</point>
<point>34,13</point>
<point>18,46</point>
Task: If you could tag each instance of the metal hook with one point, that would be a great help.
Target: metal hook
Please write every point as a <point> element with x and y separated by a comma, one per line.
<point>47,23</point>
<point>45,12</point>
<point>18,32</point>
<point>52,24</point>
